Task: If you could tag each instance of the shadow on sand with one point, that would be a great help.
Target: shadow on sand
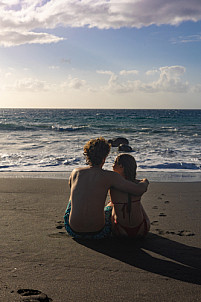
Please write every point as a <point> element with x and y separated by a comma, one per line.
<point>182,262</point>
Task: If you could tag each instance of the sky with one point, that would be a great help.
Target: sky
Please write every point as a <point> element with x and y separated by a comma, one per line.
<point>100,54</point>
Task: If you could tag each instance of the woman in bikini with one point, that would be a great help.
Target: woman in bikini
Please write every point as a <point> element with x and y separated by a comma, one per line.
<point>129,218</point>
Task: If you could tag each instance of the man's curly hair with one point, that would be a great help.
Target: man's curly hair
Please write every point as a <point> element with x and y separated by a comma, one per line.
<point>96,150</point>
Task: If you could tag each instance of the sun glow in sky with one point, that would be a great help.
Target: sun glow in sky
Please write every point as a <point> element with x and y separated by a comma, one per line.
<point>100,54</point>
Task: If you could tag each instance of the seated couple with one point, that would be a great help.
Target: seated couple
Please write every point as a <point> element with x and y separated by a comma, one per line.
<point>87,216</point>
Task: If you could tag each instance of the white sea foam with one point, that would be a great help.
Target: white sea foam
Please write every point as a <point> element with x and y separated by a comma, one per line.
<point>53,140</point>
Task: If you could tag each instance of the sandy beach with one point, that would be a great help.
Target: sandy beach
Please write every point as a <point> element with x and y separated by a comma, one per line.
<point>40,261</point>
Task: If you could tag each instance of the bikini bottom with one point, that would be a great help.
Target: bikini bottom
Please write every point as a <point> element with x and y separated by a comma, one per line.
<point>131,232</point>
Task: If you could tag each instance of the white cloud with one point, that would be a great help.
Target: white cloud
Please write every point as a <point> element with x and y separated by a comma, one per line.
<point>152,72</point>
<point>19,38</point>
<point>169,81</point>
<point>74,83</point>
<point>77,83</point>
<point>107,72</point>
<point>196,88</point>
<point>128,72</point>
<point>30,84</point>
<point>19,19</point>
<point>187,39</point>
<point>53,67</point>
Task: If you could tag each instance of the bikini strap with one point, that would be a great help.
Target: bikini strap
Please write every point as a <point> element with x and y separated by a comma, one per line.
<point>126,202</point>
<point>129,206</point>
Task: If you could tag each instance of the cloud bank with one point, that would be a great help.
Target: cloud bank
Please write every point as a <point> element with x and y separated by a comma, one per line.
<point>19,38</point>
<point>169,80</point>
<point>20,20</point>
<point>29,85</point>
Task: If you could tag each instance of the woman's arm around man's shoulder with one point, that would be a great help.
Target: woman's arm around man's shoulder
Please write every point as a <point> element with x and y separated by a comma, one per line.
<point>118,182</point>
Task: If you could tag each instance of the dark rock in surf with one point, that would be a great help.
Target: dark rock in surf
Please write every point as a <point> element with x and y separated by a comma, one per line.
<point>116,142</point>
<point>124,148</point>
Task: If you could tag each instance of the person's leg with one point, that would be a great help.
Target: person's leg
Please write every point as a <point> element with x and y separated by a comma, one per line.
<point>117,231</point>
<point>66,220</point>
<point>146,225</point>
<point>108,222</point>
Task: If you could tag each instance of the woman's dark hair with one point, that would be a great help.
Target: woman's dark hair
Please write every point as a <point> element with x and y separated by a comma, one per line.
<point>129,164</point>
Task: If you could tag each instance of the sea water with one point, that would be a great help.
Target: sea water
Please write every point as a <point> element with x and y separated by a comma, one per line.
<point>165,143</point>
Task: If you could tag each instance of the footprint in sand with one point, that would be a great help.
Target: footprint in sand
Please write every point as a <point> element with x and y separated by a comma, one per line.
<point>170,232</point>
<point>185,233</point>
<point>58,235</point>
<point>160,232</point>
<point>155,222</point>
<point>167,201</point>
<point>60,225</point>
<point>31,295</point>
<point>162,215</point>
<point>154,207</point>
<point>179,233</point>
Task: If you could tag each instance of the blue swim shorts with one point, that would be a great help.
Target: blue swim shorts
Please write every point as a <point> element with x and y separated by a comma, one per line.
<point>104,233</point>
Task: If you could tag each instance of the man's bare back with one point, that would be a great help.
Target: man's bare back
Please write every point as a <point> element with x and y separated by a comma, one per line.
<point>89,188</point>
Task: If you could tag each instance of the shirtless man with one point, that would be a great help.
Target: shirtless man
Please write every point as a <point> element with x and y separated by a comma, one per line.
<point>86,215</point>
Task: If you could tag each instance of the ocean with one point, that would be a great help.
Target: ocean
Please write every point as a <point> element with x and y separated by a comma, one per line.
<point>165,143</point>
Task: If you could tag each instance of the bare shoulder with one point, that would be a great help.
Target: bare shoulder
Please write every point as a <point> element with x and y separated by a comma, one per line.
<point>77,170</point>
<point>111,176</point>
<point>108,173</point>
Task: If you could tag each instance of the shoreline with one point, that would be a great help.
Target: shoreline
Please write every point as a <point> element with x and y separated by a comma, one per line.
<point>154,176</point>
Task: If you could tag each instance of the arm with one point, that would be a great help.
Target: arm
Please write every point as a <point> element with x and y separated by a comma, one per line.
<point>72,177</point>
<point>69,182</point>
<point>120,183</point>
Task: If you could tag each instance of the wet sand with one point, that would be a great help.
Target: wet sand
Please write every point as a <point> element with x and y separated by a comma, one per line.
<point>40,261</point>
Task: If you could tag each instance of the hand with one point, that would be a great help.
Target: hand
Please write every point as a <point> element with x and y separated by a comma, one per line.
<point>144,180</point>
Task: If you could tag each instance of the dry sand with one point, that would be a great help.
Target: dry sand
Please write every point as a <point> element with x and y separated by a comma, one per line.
<point>37,254</point>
